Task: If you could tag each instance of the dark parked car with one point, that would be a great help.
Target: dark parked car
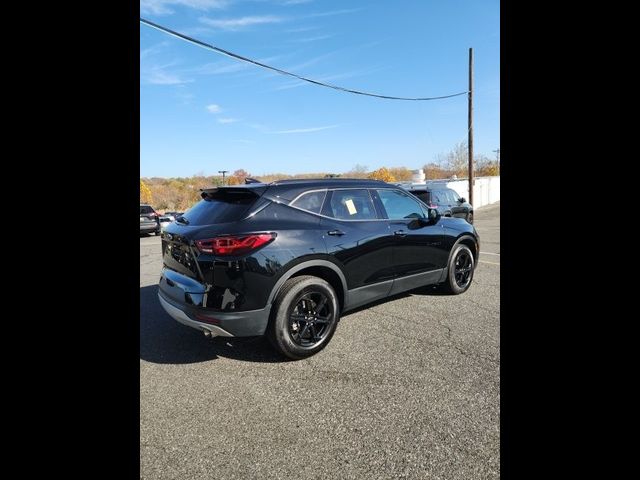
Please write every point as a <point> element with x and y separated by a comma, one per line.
<point>286,259</point>
<point>445,200</point>
<point>149,220</point>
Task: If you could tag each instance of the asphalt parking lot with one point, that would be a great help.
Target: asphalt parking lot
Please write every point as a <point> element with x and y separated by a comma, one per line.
<point>407,388</point>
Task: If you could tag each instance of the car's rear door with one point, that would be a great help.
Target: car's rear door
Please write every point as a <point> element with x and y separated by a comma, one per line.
<point>360,241</point>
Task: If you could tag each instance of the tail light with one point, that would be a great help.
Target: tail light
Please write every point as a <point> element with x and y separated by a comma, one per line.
<point>234,245</point>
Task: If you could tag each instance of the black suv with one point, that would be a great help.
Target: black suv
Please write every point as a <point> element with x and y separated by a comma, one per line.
<point>286,259</point>
<point>149,220</point>
<point>445,200</point>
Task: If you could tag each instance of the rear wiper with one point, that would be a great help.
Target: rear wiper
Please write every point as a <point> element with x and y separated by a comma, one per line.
<point>182,220</point>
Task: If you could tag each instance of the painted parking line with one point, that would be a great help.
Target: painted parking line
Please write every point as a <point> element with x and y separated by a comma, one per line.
<point>489,253</point>
<point>490,263</point>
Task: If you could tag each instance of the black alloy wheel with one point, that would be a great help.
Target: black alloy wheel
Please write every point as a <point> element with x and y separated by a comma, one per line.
<point>310,319</point>
<point>463,268</point>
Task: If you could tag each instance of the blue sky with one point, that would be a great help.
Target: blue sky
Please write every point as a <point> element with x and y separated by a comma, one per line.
<point>201,112</point>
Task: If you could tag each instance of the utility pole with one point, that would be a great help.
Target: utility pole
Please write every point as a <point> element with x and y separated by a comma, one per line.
<point>471,126</point>
<point>223,172</point>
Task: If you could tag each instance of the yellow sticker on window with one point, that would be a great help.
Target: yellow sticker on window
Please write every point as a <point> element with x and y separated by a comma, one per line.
<point>351,207</point>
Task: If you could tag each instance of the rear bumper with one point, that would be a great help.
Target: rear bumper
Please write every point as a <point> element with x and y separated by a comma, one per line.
<point>182,317</point>
<point>149,227</point>
<point>182,298</point>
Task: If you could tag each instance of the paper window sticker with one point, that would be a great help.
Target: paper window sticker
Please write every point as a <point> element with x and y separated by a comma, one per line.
<point>351,207</point>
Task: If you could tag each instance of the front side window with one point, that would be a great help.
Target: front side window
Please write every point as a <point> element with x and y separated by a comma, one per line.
<point>453,196</point>
<point>351,205</point>
<point>400,205</point>
<point>440,197</point>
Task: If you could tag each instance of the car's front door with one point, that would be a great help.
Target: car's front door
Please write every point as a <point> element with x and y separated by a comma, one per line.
<point>458,209</point>
<point>419,255</point>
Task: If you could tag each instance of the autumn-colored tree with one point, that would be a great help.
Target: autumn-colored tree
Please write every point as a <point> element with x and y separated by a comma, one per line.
<point>358,171</point>
<point>485,167</point>
<point>435,171</point>
<point>241,174</point>
<point>401,174</point>
<point>181,193</point>
<point>382,174</point>
<point>145,193</point>
<point>455,162</point>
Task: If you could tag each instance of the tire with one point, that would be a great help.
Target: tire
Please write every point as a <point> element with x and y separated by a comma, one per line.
<point>470,218</point>
<point>460,270</point>
<point>288,330</point>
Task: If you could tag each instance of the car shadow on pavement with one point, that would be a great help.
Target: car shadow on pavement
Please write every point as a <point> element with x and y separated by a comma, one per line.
<point>163,340</point>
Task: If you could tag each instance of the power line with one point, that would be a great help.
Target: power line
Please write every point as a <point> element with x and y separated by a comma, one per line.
<point>284,72</point>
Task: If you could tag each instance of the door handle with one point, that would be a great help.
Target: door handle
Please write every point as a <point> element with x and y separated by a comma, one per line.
<point>338,233</point>
<point>400,233</point>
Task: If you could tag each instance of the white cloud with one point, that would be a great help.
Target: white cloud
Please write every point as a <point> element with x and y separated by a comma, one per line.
<point>228,66</point>
<point>306,130</point>
<point>312,61</point>
<point>313,39</point>
<point>241,22</point>
<point>163,7</point>
<point>302,29</point>
<point>213,108</point>
<point>328,78</point>
<point>160,77</point>
<point>333,12</point>
<point>147,52</point>
<point>228,120</point>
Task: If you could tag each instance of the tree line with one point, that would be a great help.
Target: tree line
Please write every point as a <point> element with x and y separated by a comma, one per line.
<point>180,193</point>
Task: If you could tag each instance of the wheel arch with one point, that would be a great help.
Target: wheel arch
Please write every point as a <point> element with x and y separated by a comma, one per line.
<point>470,241</point>
<point>324,269</point>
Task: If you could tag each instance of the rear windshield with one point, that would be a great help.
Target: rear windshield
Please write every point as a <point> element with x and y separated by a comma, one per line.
<point>144,209</point>
<point>220,207</point>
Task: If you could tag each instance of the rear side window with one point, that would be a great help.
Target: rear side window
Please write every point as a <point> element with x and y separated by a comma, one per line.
<point>351,205</point>
<point>400,205</point>
<point>220,207</point>
<point>311,201</point>
<point>144,209</point>
<point>424,196</point>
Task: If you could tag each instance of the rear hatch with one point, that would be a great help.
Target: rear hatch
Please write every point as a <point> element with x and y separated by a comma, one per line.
<point>148,215</point>
<point>218,212</point>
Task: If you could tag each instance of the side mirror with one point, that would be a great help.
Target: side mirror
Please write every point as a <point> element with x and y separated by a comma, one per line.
<point>462,200</point>
<point>433,214</point>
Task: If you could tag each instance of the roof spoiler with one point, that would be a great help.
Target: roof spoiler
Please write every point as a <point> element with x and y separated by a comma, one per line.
<point>253,189</point>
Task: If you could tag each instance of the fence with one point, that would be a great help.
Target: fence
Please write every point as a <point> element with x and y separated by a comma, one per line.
<point>486,190</point>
